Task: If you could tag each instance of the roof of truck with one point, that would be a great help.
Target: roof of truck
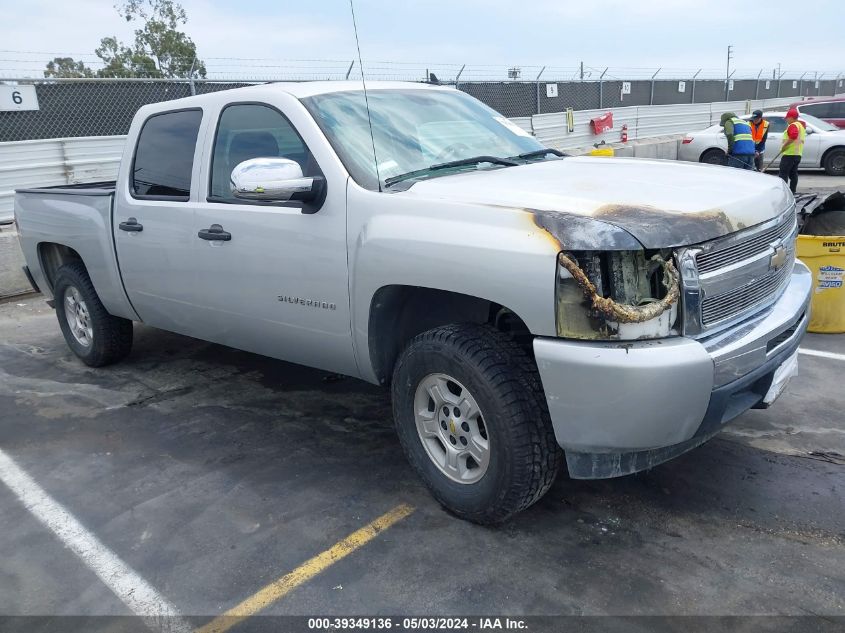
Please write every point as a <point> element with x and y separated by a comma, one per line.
<point>310,88</point>
<point>297,89</point>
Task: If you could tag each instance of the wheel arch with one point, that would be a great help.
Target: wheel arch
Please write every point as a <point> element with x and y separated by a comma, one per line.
<point>52,256</point>
<point>104,275</point>
<point>398,313</point>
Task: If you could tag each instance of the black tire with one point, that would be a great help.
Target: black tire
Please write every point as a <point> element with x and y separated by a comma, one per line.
<point>112,336</point>
<point>834,162</point>
<point>524,457</point>
<point>714,157</point>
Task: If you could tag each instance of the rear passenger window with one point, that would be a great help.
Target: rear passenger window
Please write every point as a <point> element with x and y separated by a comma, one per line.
<point>164,157</point>
<point>777,124</point>
<point>250,131</point>
<point>819,110</point>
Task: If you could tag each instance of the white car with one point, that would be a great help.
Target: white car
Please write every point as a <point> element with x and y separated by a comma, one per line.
<point>824,146</point>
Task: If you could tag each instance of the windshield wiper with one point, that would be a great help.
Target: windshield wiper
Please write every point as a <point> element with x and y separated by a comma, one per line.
<point>473,160</point>
<point>539,153</point>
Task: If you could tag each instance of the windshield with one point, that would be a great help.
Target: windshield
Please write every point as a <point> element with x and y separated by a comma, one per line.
<point>824,126</point>
<point>413,130</point>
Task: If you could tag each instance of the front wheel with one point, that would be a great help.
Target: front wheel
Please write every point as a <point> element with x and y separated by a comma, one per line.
<point>473,422</point>
<point>834,162</point>
<point>94,335</point>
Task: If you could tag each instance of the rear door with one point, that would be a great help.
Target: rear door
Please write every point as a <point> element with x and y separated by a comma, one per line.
<point>279,286</point>
<point>837,115</point>
<point>153,221</point>
<point>777,125</point>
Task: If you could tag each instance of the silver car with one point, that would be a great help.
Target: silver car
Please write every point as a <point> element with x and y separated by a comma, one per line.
<point>824,147</point>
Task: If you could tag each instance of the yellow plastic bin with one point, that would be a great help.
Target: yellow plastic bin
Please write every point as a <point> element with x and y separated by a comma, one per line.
<point>825,256</point>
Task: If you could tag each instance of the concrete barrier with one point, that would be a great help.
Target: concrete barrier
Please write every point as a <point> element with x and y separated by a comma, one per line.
<point>662,147</point>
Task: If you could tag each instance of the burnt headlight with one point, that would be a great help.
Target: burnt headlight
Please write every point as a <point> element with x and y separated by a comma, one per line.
<point>622,295</point>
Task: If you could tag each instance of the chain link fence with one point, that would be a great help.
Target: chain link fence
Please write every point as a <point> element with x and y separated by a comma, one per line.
<point>106,106</point>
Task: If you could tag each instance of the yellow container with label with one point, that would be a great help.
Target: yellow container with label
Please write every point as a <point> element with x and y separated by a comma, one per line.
<point>602,150</point>
<point>825,256</point>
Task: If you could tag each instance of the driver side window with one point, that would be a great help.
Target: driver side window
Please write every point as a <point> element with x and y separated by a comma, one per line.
<point>248,131</point>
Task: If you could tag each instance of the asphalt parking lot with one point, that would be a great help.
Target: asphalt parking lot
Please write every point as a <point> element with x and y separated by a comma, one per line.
<point>213,473</point>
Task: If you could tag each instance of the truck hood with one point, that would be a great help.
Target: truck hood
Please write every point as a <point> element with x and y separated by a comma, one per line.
<point>661,203</point>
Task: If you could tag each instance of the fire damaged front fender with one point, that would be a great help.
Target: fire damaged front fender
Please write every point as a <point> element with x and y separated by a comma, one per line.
<point>503,255</point>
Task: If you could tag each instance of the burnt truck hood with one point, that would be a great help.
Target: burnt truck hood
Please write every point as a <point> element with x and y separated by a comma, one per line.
<point>660,203</point>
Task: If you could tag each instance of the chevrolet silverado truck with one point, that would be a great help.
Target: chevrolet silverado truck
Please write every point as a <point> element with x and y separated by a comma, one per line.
<point>526,308</point>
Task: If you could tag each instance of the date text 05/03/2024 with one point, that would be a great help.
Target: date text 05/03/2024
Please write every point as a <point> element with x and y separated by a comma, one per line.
<point>416,623</point>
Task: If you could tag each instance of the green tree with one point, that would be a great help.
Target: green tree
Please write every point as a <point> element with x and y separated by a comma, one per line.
<point>122,61</point>
<point>67,67</point>
<point>160,48</point>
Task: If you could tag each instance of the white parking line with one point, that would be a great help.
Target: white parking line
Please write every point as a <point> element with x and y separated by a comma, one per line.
<point>821,354</point>
<point>135,592</point>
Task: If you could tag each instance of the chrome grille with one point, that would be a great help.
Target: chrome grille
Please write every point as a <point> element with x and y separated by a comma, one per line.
<point>710,261</point>
<point>732,277</point>
<point>743,298</point>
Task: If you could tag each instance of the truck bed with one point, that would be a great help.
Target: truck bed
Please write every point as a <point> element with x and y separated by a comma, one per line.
<point>79,217</point>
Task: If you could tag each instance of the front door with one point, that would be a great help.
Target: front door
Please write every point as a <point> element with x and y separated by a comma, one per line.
<point>812,155</point>
<point>777,124</point>
<point>279,285</point>
<point>153,221</point>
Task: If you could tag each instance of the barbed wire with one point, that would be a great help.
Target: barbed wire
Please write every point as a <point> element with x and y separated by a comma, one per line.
<point>32,64</point>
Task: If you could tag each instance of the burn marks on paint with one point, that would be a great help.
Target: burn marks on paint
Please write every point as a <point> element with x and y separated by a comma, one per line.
<point>630,227</point>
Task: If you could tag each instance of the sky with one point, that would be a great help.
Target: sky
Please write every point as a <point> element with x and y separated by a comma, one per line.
<point>259,38</point>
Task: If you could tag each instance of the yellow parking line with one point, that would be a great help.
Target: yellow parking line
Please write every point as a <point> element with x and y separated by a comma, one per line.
<point>307,570</point>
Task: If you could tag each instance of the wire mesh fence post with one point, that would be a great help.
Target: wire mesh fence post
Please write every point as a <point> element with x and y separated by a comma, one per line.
<point>757,85</point>
<point>458,77</point>
<point>601,89</point>
<point>191,75</point>
<point>651,96</point>
<point>349,70</point>
<point>692,96</point>
<point>537,85</point>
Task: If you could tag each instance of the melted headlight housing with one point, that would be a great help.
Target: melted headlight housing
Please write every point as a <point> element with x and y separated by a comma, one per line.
<point>617,295</point>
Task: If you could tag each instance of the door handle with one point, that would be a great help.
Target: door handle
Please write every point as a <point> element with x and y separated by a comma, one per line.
<point>215,232</point>
<point>131,225</point>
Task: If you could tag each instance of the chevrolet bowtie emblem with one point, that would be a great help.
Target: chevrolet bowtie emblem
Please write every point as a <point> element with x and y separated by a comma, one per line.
<point>779,258</point>
<point>452,426</point>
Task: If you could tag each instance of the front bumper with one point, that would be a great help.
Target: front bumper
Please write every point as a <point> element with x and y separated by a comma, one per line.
<point>622,407</point>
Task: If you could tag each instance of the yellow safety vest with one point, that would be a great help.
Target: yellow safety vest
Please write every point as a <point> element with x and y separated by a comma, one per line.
<point>796,148</point>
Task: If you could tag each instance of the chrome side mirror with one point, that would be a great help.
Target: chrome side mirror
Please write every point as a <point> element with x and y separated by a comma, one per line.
<point>273,180</point>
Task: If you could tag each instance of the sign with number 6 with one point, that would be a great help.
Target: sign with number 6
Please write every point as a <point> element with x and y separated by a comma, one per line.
<point>18,98</point>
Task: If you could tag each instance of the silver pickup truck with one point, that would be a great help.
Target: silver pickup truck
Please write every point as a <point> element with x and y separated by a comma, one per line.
<point>524,307</point>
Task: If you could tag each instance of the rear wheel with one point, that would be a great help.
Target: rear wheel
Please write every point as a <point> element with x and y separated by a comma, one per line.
<point>472,419</point>
<point>834,162</point>
<point>94,335</point>
<point>714,157</point>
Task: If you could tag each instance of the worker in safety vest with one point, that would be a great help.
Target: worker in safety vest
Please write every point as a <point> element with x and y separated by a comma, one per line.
<point>792,148</point>
<point>759,134</point>
<point>740,142</point>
